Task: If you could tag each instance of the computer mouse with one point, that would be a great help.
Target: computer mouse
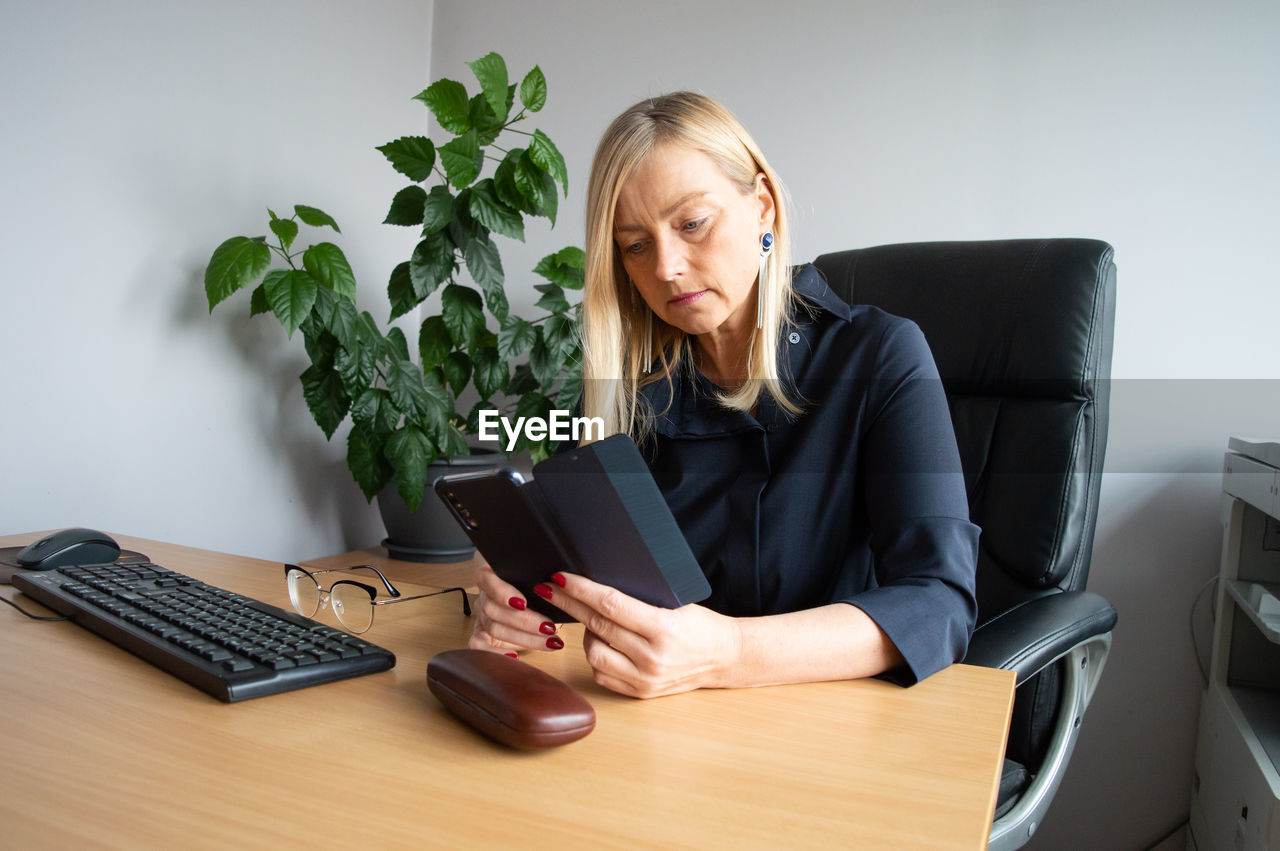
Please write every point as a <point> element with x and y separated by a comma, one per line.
<point>70,546</point>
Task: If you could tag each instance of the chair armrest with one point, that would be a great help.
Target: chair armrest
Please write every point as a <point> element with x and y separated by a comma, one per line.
<point>1027,638</point>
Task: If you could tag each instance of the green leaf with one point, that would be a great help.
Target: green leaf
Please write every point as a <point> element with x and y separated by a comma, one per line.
<point>434,342</point>
<point>395,346</point>
<point>485,121</point>
<point>489,371</point>
<point>285,229</point>
<point>461,159</point>
<point>319,343</point>
<point>452,442</point>
<point>504,181</point>
<point>544,364</point>
<point>356,367</point>
<point>341,322</point>
<point>536,187</point>
<point>365,461</point>
<point>522,381</point>
<point>485,265</point>
<point>534,405</point>
<point>437,210</point>
<point>370,335</point>
<point>570,390</point>
<point>315,217</point>
<point>236,263</point>
<point>463,314</point>
<point>533,90</point>
<point>435,385</point>
<point>410,451</point>
<point>464,227</point>
<point>559,272</point>
<point>447,100</point>
<point>515,337</point>
<point>258,301</point>
<point>549,201</point>
<point>492,212</point>
<point>548,158</point>
<point>572,257</point>
<point>561,335</point>
<point>431,264</point>
<point>407,207</point>
<point>412,156</point>
<point>457,371</point>
<point>326,398</point>
<point>373,412</point>
<point>328,265</point>
<point>406,386</point>
<point>400,291</point>
<point>291,293</point>
<point>473,417</point>
<point>491,71</point>
<point>553,300</point>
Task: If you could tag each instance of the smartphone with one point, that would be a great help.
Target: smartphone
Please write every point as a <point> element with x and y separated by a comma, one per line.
<point>499,517</point>
<point>593,510</point>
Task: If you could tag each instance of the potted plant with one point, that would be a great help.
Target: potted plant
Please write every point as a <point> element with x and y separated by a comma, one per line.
<point>406,401</point>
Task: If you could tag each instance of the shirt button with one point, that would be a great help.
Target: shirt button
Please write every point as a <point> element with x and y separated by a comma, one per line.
<point>793,337</point>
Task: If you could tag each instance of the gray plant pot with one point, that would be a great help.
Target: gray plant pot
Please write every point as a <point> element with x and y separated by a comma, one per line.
<point>430,534</point>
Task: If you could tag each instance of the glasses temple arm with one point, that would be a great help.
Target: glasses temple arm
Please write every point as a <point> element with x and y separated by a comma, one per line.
<point>466,601</point>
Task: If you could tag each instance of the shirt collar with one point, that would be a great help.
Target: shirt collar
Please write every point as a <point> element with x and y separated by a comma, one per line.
<point>809,284</point>
<point>687,408</point>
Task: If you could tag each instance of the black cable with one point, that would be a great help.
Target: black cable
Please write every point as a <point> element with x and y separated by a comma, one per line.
<point>34,617</point>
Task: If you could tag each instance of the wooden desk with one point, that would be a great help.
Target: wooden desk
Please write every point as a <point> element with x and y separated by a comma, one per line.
<point>102,748</point>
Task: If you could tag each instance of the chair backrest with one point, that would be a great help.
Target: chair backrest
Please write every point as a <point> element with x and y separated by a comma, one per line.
<point>1021,331</point>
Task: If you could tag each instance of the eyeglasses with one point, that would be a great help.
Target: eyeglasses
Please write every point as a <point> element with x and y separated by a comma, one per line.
<point>352,602</point>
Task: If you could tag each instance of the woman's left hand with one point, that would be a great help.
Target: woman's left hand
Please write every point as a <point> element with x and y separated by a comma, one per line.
<point>647,651</point>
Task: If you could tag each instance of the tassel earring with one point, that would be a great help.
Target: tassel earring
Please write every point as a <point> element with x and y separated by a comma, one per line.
<point>648,338</point>
<point>766,248</point>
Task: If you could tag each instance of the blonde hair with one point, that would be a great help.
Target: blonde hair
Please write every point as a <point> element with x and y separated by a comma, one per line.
<point>619,356</point>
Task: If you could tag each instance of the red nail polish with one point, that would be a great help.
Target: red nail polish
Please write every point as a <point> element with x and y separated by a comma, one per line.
<point>548,628</point>
<point>558,578</point>
<point>555,643</point>
<point>543,590</point>
<point>516,603</point>
<point>513,655</point>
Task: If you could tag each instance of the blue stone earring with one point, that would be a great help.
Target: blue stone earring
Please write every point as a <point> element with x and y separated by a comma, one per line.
<point>766,248</point>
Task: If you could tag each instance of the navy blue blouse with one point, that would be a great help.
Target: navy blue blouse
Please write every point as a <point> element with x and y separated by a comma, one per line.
<point>859,499</point>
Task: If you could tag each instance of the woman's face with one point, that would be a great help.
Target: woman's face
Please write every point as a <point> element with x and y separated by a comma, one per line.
<point>690,240</point>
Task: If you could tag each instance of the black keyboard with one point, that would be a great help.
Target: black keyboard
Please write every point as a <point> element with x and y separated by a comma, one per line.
<point>232,646</point>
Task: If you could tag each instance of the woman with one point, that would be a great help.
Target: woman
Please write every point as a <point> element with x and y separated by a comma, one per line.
<point>804,446</point>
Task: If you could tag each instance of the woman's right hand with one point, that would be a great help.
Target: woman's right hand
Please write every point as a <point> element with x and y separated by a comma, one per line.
<point>503,621</point>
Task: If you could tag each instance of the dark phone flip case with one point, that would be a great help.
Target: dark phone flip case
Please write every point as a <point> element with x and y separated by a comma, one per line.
<point>593,510</point>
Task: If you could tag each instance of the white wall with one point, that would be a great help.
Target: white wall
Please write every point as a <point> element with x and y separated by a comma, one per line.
<point>1150,125</point>
<point>138,135</point>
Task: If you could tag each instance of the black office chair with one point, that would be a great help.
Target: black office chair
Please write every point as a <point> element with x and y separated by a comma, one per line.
<point>1021,331</point>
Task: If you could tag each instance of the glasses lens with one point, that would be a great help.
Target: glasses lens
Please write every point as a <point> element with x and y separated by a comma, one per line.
<point>352,605</point>
<point>303,592</point>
